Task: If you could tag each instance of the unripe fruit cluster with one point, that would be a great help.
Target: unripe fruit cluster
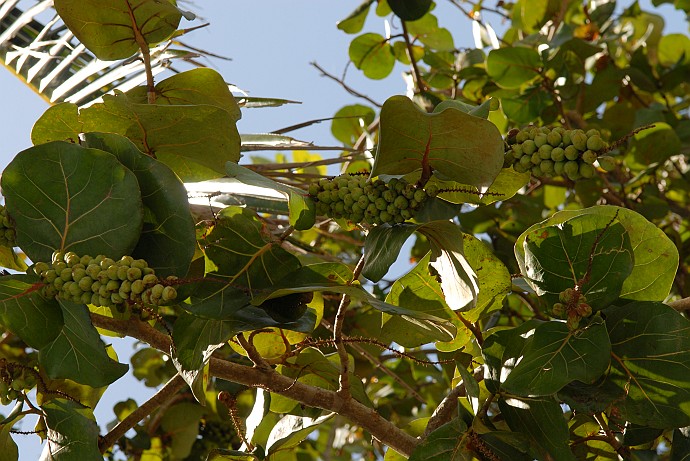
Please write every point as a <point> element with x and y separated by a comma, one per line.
<point>356,199</point>
<point>572,305</point>
<point>547,152</point>
<point>7,232</point>
<point>101,281</point>
<point>14,379</point>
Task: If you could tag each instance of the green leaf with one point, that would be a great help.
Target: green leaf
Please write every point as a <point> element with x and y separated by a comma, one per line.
<point>650,349</point>
<point>334,277</point>
<point>680,448</point>
<point>291,430</point>
<point>381,248</point>
<point>542,420</point>
<point>65,197</point>
<point>373,55</point>
<point>36,320</point>
<point>492,275</point>
<point>481,110</point>
<point>59,123</point>
<point>513,67</point>
<point>217,313</point>
<point>507,184</point>
<point>181,421</point>
<point>674,49</point>
<point>655,255</point>
<point>419,291</point>
<point>302,208</point>
<point>78,353</point>
<point>8,448</point>
<point>72,432</point>
<point>219,454</point>
<point>201,86</point>
<point>553,356</point>
<point>11,260</point>
<point>354,22</point>
<point>589,251</point>
<point>447,443</point>
<point>111,33</point>
<point>243,252</point>
<point>167,240</point>
<point>427,31</point>
<point>350,122</point>
<point>458,280</point>
<point>251,102</point>
<point>194,140</point>
<point>459,146</point>
<point>527,106</point>
<point>410,10</point>
<point>652,145</point>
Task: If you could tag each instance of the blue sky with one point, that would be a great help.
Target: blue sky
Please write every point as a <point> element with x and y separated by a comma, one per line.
<point>271,43</point>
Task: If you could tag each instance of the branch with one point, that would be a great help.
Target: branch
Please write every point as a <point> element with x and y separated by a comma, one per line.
<point>445,410</point>
<point>416,75</point>
<point>680,304</point>
<point>173,386</point>
<point>342,83</point>
<point>365,417</point>
<point>344,381</point>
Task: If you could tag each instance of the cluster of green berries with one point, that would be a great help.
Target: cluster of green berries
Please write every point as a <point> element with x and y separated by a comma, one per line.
<point>355,198</point>
<point>7,232</point>
<point>573,306</point>
<point>14,380</point>
<point>547,152</point>
<point>101,281</point>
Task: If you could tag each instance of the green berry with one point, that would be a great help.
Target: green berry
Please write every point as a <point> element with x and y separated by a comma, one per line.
<point>554,138</point>
<point>607,163</point>
<point>571,153</point>
<point>589,156</point>
<point>557,154</point>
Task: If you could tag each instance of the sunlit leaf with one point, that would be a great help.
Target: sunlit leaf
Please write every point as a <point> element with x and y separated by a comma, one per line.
<point>372,54</point>
<point>59,123</point>
<point>302,208</point>
<point>350,122</point>
<point>459,146</point>
<point>167,241</point>
<point>419,291</point>
<point>78,353</point>
<point>291,430</point>
<point>512,67</point>
<point>427,31</point>
<point>66,197</point>
<point>111,33</point>
<point>354,22</point>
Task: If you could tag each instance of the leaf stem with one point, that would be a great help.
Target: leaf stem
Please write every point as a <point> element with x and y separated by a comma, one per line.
<point>445,410</point>
<point>416,76</point>
<point>145,55</point>
<point>167,392</point>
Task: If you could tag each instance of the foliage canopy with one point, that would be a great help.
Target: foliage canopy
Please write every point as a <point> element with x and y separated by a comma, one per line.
<point>545,316</point>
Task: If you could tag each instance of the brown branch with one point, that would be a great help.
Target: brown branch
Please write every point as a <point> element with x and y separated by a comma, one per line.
<point>680,304</point>
<point>345,86</point>
<point>168,391</point>
<point>445,410</point>
<point>344,380</point>
<point>365,417</point>
<point>416,75</point>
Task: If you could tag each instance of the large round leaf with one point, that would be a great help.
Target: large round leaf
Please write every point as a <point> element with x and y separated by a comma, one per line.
<point>654,254</point>
<point>111,33</point>
<point>66,197</point>
<point>373,55</point>
<point>168,238</point>
<point>512,67</point>
<point>461,147</point>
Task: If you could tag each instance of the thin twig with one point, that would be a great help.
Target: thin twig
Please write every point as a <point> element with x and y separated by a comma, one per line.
<point>379,365</point>
<point>345,86</point>
<point>344,381</point>
<point>416,75</point>
<point>167,392</point>
<point>252,353</point>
